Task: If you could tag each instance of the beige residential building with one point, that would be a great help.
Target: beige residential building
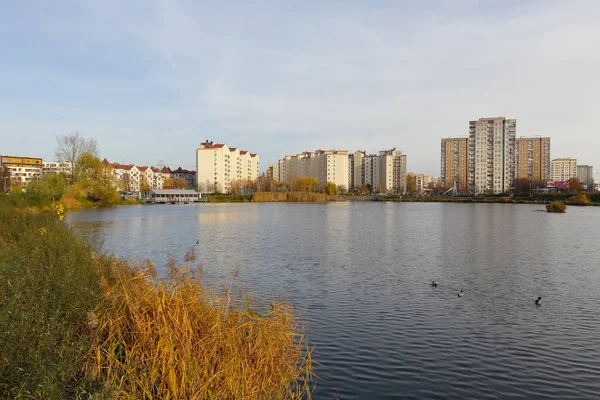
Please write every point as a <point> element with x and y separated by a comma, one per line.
<point>323,165</point>
<point>455,163</point>
<point>563,169</point>
<point>492,158</point>
<point>383,172</point>
<point>217,166</point>
<point>22,170</point>
<point>533,158</point>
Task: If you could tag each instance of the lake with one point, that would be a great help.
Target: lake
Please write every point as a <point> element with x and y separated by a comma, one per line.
<point>360,273</point>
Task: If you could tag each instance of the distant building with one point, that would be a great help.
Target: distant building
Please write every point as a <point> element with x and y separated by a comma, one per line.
<point>422,182</point>
<point>323,165</point>
<point>563,169</point>
<point>492,155</point>
<point>385,172</point>
<point>217,166</point>
<point>455,163</point>
<point>585,174</point>
<point>57,167</point>
<point>22,170</point>
<point>533,158</point>
<point>273,171</point>
<point>188,176</point>
<point>132,178</point>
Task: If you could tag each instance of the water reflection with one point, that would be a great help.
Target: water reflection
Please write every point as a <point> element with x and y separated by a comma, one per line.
<point>360,273</point>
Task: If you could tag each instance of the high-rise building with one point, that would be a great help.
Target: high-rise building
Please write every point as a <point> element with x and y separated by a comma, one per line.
<point>217,166</point>
<point>563,169</point>
<point>455,163</point>
<point>492,155</point>
<point>585,174</point>
<point>323,165</point>
<point>533,158</point>
<point>383,172</point>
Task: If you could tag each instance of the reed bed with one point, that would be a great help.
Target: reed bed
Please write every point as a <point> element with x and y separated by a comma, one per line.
<point>174,339</point>
<point>298,197</point>
<point>79,324</point>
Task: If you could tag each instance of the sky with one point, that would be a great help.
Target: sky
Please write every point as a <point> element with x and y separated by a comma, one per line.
<point>151,79</point>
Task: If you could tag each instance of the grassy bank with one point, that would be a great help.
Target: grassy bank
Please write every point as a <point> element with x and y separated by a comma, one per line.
<point>293,197</point>
<point>74,323</point>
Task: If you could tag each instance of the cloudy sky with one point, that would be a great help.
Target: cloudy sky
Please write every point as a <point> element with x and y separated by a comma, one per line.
<point>152,79</point>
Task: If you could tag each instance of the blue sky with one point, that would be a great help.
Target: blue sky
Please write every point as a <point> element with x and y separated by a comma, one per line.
<point>152,79</point>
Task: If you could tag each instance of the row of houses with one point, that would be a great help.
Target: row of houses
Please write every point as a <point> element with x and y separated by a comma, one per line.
<point>133,178</point>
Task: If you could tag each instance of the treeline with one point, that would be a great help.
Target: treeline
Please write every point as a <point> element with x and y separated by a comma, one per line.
<point>294,184</point>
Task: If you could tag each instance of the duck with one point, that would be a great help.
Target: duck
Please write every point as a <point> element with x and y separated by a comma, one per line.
<point>433,284</point>
<point>538,301</point>
<point>461,294</point>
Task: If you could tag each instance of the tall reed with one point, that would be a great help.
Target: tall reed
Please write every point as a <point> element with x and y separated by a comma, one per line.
<point>174,339</point>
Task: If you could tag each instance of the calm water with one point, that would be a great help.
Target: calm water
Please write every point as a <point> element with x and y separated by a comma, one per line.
<point>360,273</point>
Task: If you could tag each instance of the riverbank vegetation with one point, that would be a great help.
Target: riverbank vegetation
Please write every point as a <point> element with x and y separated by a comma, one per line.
<point>293,197</point>
<point>76,324</point>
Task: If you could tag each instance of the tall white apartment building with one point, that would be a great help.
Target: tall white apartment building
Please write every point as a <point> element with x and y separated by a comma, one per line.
<point>385,171</point>
<point>585,174</point>
<point>563,169</point>
<point>323,165</point>
<point>492,161</point>
<point>218,165</point>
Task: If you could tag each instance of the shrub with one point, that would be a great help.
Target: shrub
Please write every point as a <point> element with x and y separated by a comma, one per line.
<point>294,197</point>
<point>556,207</point>
<point>580,199</point>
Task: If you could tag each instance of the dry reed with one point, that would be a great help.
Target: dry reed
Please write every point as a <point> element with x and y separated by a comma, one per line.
<point>172,338</point>
<point>264,197</point>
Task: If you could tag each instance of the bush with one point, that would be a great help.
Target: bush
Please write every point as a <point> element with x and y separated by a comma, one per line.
<point>293,197</point>
<point>556,207</point>
<point>580,199</point>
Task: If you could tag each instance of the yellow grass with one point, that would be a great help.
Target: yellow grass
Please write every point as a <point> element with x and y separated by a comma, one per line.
<point>261,197</point>
<point>172,338</point>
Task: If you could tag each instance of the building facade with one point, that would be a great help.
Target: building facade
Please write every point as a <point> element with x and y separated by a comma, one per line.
<point>323,165</point>
<point>585,174</point>
<point>57,167</point>
<point>492,158</point>
<point>383,172</point>
<point>533,158</point>
<point>21,170</point>
<point>563,169</point>
<point>454,159</point>
<point>217,166</point>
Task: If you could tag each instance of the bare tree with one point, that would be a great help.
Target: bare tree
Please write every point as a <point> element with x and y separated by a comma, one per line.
<point>70,147</point>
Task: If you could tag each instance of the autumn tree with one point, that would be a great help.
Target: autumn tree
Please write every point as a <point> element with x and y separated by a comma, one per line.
<point>5,178</point>
<point>342,189</point>
<point>411,184</point>
<point>144,184</point>
<point>168,183</point>
<point>331,189</point>
<point>180,183</point>
<point>574,185</point>
<point>72,146</point>
<point>522,186</point>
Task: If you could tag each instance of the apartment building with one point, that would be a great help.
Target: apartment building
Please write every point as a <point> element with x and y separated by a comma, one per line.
<point>21,170</point>
<point>492,155</point>
<point>563,169</point>
<point>383,172</point>
<point>454,159</point>
<point>187,175</point>
<point>57,167</point>
<point>273,171</point>
<point>585,174</point>
<point>533,158</point>
<point>217,166</point>
<point>323,165</point>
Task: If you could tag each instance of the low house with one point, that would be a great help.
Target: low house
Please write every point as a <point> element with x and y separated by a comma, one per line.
<point>173,196</point>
